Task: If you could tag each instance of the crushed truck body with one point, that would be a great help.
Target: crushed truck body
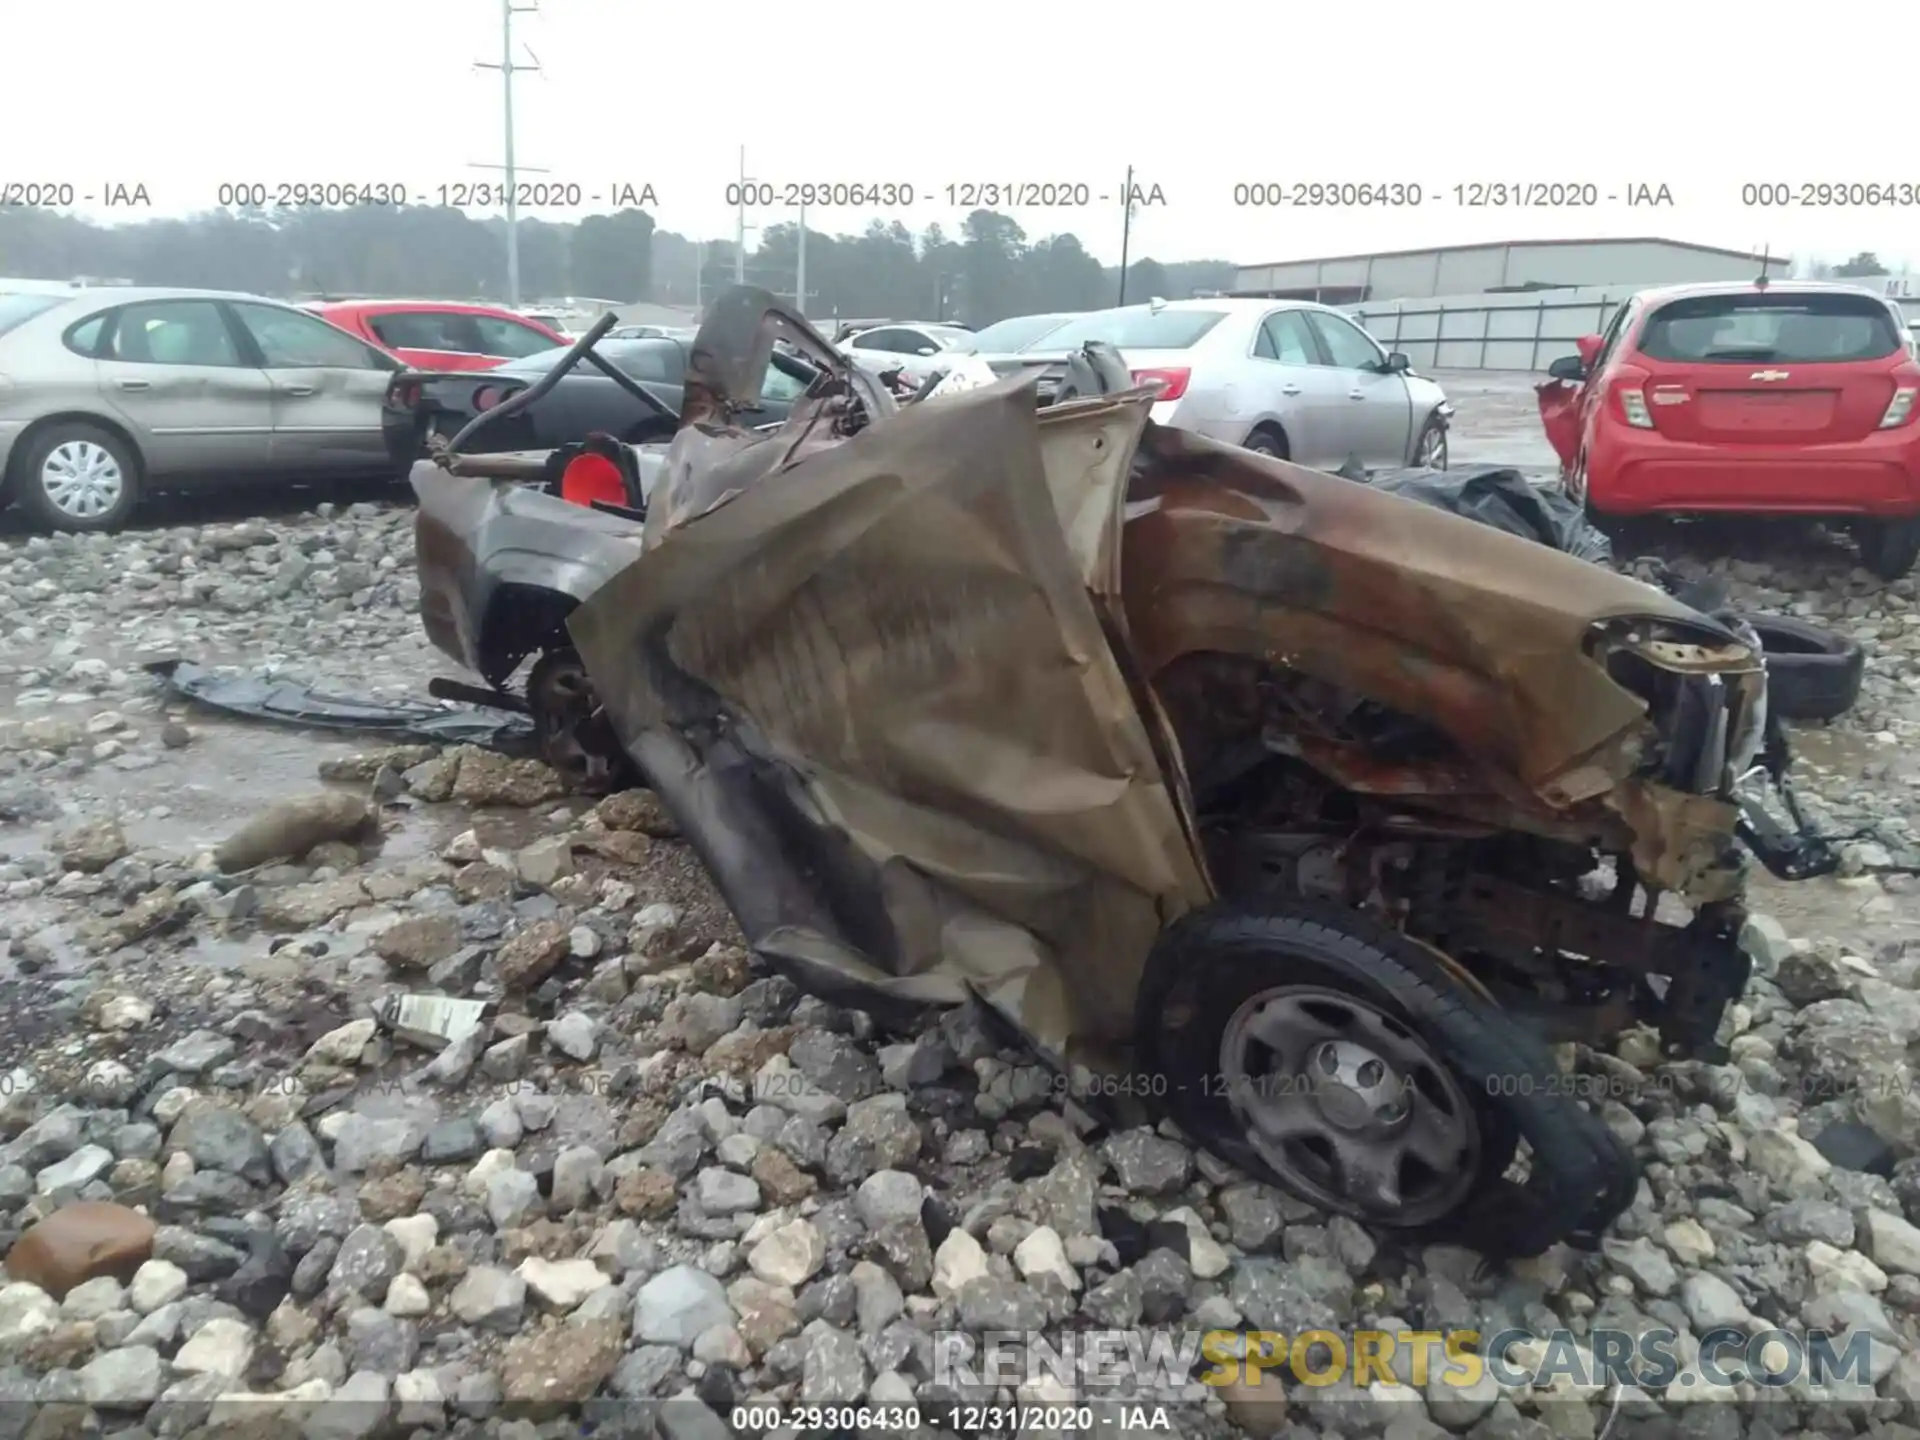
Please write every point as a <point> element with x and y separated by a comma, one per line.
<point>1318,811</point>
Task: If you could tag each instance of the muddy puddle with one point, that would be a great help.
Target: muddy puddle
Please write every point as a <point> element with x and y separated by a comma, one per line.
<point>1858,909</point>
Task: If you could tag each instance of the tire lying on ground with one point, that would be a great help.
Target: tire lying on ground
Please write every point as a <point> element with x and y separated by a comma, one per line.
<point>1812,673</point>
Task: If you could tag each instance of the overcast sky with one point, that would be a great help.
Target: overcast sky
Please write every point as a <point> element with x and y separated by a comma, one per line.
<point>185,95</point>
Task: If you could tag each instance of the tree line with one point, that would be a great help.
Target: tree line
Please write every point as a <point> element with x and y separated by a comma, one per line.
<point>987,270</point>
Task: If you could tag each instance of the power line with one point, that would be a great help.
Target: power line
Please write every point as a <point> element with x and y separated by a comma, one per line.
<point>508,69</point>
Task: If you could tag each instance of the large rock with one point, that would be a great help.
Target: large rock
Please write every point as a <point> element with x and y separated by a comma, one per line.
<point>486,778</point>
<point>563,1365</point>
<point>419,942</point>
<point>129,1378</point>
<point>532,953</point>
<point>677,1306</point>
<point>491,1298</point>
<point>92,848</point>
<point>78,1242</point>
<point>219,1137</point>
<point>290,828</point>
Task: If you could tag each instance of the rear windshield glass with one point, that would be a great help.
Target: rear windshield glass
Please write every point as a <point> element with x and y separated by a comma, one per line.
<point>660,361</point>
<point>1005,336</point>
<point>1136,328</point>
<point>15,309</point>
<point>1747,329</point>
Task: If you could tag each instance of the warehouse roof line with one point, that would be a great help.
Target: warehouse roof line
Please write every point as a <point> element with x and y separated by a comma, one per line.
<point>1504,244</point>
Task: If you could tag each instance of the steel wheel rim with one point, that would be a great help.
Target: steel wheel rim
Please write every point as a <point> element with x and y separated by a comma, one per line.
<point>82,480</point>
<point>1348,1105</point>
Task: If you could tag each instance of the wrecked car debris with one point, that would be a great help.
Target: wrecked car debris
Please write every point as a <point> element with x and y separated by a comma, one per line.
<point>432,1022</point>
<point>1316,812</point>
<point>288,702</point>
<point>509,544</point>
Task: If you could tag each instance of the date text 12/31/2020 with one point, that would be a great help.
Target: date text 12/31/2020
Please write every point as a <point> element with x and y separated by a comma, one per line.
<point>457,195</point>
<point>1051,194</point>
<point>1273,194</point>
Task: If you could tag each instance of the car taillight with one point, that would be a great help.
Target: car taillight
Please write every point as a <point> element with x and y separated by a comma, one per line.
<point>590,477</point>
<point>1633,404</point>
<point>488,396</point>
<point>1171,384</point>
<point>403,394</point>
<point>1900,408</point>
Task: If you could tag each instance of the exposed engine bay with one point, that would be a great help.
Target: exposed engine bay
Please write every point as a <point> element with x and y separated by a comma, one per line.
<point>1316,794</point>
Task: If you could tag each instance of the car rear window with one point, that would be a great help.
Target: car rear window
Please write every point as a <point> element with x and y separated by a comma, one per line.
<point>1016,333</point>
<point>661,362</point>
<point>1751,328</point>
<point>18,309</point>
<point>1135,328</point>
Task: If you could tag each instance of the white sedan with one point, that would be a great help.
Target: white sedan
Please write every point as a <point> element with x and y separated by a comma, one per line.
<point>916,349</point>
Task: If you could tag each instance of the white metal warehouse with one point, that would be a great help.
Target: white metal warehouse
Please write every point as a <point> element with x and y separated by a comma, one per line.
<point>1514,306</point>
<point>1503,268</point>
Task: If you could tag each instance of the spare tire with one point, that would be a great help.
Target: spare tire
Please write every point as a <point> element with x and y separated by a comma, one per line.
<point>1812,674</point>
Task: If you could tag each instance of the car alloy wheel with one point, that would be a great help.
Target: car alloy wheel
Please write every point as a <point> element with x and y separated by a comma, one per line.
<point>1433,449</point>
<point>1348,1105</point>
<point>82,480</point>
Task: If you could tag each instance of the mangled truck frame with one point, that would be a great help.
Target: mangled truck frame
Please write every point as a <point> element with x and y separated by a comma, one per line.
<point>1315,811</point>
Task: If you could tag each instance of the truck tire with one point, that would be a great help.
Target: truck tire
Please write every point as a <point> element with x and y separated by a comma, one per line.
<point>1812,673</point>
<point>1224,960</point>
<point>1889,548</point>
<point>1430,1023</point>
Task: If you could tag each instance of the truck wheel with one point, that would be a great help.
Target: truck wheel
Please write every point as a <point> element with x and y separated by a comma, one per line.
<point>77,477</point>
<point>1889,548</point>
<point>1331,1056</point>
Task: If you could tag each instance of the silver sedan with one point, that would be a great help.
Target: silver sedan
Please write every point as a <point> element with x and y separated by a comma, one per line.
<point>1284,377</point>
<point>107,393</point>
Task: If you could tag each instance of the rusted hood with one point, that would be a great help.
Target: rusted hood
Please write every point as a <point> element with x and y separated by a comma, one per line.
<point>1483,633</point>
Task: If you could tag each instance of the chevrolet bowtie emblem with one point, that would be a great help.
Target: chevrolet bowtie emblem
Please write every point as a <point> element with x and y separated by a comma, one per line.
<point>1768,375</point>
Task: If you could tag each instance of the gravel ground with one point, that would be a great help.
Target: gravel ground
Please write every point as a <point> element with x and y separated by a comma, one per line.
<point>659,1173</point>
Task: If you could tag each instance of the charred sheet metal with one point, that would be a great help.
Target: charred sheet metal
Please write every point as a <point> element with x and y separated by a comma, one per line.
<point>878,696</point>
<point>1487,636</point>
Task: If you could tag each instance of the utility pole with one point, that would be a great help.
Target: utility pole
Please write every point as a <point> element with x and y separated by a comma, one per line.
<point>740,224</point>
<point>1126,232</point>
<point>508,70</point>
<point>800,268</point>
<point>699,273</point>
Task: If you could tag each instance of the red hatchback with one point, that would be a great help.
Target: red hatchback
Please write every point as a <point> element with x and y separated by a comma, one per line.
<point>1765,399</point>
<point>442,334</point>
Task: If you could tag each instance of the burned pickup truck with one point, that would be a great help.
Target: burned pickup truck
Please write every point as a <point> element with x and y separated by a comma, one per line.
<point>1313,812</point>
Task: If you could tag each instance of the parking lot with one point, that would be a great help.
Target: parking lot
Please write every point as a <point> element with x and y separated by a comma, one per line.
<point>1496,422</point>
<point>778,1249</point>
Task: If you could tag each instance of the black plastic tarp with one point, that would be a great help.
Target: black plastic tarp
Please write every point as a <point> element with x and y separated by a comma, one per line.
<point>1503,498</point>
